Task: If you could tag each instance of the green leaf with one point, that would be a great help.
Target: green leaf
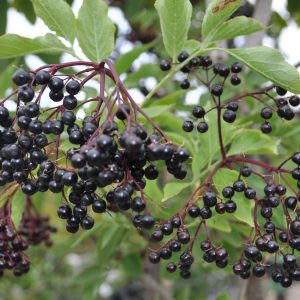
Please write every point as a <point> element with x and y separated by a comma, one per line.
<point>25,7</point>
<point>13,45</point>
<point>18,204</point>
<point>124,62</point>
<point>3,16</point>
<point>236,27</point>
<point>157,110</point>
<point>250,141</point>
<point>223,297</point>
<point>269,63</point>
<point>172,189</point>
<point>191,46</point>
<point>215,16</point>
<point>219,224</point>
<point>95,30</point>
<point>175,20</point>
<point>57,16</point>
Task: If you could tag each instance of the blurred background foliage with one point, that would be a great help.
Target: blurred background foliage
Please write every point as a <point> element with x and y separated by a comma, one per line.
<point>108,262</point>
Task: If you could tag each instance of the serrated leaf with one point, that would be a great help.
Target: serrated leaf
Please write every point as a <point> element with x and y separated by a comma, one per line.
<point>58,16</point>
<point>216,14</point>
<point>172,189</point>
<point>124,62</point>
<point>175,20</point>
<point>95,30</point>
<point>269,63</point>
<point>236,27</point>
<point>250,141</point>
<point>13,45</point>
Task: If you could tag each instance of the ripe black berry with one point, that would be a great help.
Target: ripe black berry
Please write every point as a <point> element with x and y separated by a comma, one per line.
<point>21,77</point>
<point>280,91</point>
<point>42,77</point>
<point>217,89</point>
<point>229,116</point>
<point>188,126</point>
<point>73,87</point>
<point>165,65</point>
<point>266,113</point>
<point>245,171</point>
<point>266,127</point>
<point>185,84</point>
<point>182,56</point>
<point>198,112</point>
<point>235,79</point>
<point>236,67</point>
<point>202,127</point>
<point>294,100</point>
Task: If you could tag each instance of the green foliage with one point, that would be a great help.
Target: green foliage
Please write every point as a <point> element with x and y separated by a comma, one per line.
<point>175,19</point>
<point>58,17</point>
<point>13,45</point>
<point>113,242</point>
<point>236,27</point>
<point>278,70</point>
<point>95,30</point>
<point>216,15</point>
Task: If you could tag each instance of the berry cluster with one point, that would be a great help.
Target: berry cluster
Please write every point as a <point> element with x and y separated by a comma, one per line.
<point>270,248</point>
<point>12,246</point>
<point>34,228</point>
<point>110,157</point>
<point>216,77</point>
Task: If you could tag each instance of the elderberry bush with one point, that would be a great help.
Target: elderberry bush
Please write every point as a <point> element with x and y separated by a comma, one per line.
<point>105,168</point>
<point>273,243</point>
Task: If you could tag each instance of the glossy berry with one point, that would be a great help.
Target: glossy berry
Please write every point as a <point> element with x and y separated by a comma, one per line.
<point>236,67</point>
<point>56,84</point>
<point>64,211</point>
<point>185,84</point>
<point>21,77</point>
<point>182,56</point>
<point>87,222</point>
<point>233,106</point>
<point>229,116</point>
<point>296,158</point>
<point>250,193</point>
<point>228,192</point>
<point>239,186</point>
<point>230,206</point>
<point>73,87</point>
<point>188,126</point>
<point>217,89</point>
<point>294,100</point>
<point>285,112</point>
<point>235,79</point>
<point>280,91</point>
<point>245,171</point>
<point>42,77</point>
<point>290,202</point>
<point>266,127</point>
<point>266,113</point>
<point>194,211</point>
<point>198,112</point>
<point>154,257</point>
<point>165,65</point>
<point>171,267</point>
<point>202,127</point>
